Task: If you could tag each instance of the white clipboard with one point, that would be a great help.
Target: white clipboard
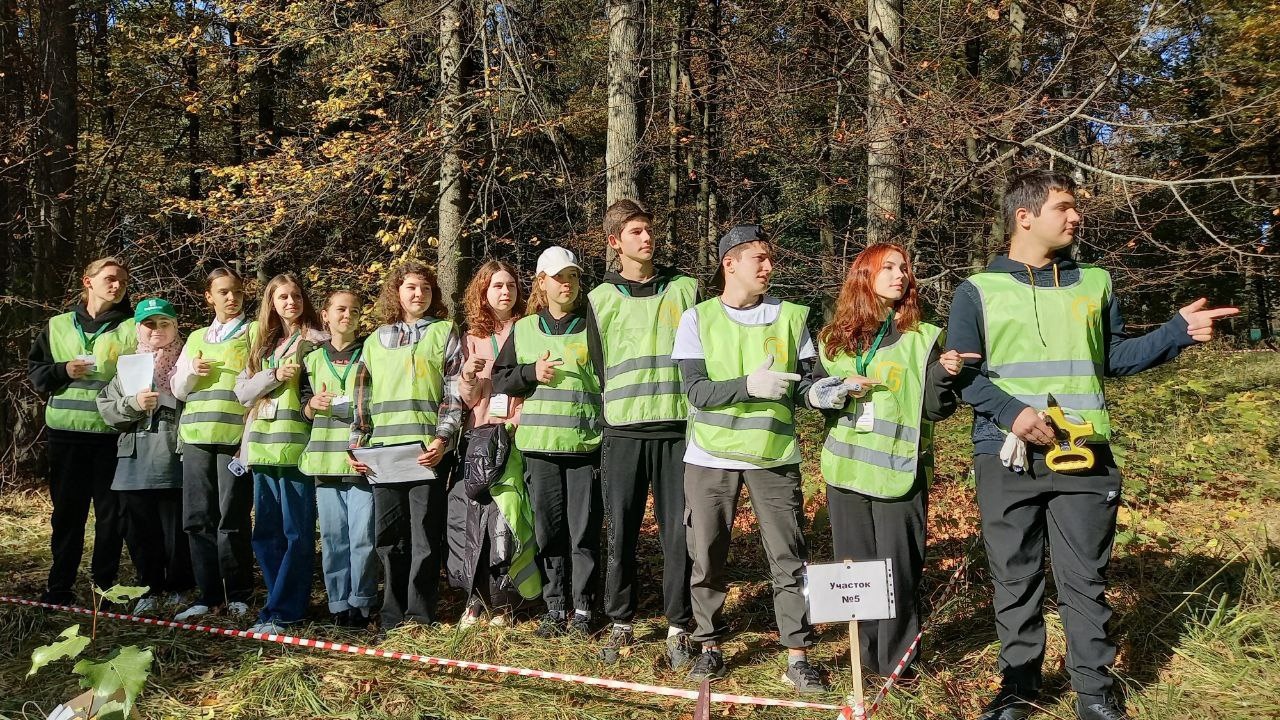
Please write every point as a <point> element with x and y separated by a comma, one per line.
<point>396,463</point>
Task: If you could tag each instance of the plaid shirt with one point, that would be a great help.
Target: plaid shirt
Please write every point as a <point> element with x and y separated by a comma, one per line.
<point>452,408</point>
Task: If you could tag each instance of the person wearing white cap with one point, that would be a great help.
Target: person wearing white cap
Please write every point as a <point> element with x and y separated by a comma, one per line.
<point>546,361</point>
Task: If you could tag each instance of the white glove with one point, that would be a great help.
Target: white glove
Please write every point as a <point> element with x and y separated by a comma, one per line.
<point>766,384</point>
<point>1013,454</point>
<point>829,393</point>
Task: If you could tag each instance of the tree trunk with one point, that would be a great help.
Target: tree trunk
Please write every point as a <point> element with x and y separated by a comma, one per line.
<point>235,111</point>
<point>453,256</point>
<point>675,121</point>
<point>56,176</point>
<point>626,30</point>
<point>884,154</point>
<point>191,70</point>
<point>1013,69</point>
<point>708,203</point>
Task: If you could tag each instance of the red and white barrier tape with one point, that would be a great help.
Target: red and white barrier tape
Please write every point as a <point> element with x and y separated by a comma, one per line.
<point>684,694</point>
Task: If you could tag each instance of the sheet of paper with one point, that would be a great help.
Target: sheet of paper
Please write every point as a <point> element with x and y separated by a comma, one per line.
<point>136,372</point>
<point>394,463</point>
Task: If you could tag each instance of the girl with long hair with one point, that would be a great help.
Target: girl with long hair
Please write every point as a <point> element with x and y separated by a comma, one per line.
<point>284,499</point>
<point>406,391</point>
<point>882,382</point>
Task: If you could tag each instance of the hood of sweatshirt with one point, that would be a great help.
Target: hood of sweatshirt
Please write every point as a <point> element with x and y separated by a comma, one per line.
<point>115,315</point>
<point>661,275</point>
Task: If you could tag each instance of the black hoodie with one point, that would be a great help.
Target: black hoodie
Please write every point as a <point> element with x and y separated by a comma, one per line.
<point>993,408</point>
<point>49,376</point>
<point>661,278</point>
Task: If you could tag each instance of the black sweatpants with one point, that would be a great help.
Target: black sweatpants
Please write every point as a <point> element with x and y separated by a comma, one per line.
<point>409,537</point>
<point>870,528</point>
<point>629,467</point>
<point>216,507</point>
<point>567,510</point>
<point>1076,513</point>
<point>80,473</point>
<point>157,544</point>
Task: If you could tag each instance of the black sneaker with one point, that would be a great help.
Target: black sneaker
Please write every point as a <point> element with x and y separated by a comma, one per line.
<point>580,626</point>
<point>680,651</point>
<point>618,644</point>
<point>58,597</point>
<point>805,678</point>
<point>1007,705</point>
<point>708,666</point>
<point>1092,709</point>
<point>551,625</point>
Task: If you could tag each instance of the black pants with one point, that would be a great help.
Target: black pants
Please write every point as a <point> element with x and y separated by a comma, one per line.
<point>157,544</point>
<point>869,528</point>
<point>567,510</point>
<point>1076,513</point>
<point>628,468</point>
<point>80,473</point>
<point>409,536</point>
<point>216,507</point>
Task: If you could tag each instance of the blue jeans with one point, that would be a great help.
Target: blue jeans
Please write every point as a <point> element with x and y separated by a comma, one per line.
<point>346,543</point>
<point>284,540</point>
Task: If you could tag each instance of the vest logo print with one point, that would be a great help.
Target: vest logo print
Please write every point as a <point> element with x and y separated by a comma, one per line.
<point>1085,310</point>
<point>890,373</point>
<point>668,315</point>
<point>575,353</point>
<point>774,346</point>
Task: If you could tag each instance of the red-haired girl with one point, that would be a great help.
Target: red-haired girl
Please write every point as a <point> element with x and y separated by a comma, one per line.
<point>882,381</point>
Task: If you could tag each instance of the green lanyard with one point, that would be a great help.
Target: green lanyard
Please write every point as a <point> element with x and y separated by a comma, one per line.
<point>862,362</point>
<point>342,378</point>
<point>493,340</point>
<point>274,361</point>
<point>235,329</point>
<point>86,340</point>
<point>546,329</point>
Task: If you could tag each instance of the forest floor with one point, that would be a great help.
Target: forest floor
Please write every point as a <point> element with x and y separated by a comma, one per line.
<point>1195,584</point>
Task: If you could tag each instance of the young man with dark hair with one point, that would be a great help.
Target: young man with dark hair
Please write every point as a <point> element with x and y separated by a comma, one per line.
<point>631,330</point>
<point>1047,326</point>
<point>743,356</point>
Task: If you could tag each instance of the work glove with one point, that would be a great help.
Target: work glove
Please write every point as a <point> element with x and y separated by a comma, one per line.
<point>1013,454</point>
<point>829,393</point>
<point>766,384</point>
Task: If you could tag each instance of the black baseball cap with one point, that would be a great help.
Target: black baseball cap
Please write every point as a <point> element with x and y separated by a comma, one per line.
<point>740,235</point>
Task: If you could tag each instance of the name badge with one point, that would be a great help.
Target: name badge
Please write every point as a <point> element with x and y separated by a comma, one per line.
<point>91,359</point>
<point>865,416</point>
<point>267,409</point>
<point>499,405</point>
<point>340,406</point>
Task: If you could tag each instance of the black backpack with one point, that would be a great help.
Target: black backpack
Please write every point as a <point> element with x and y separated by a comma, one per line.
<point>487,449</point>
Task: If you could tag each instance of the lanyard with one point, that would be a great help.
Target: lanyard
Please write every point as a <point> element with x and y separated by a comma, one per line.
<point>546,329</point>
<point>862,362</point>
<point>493,340</point>
<point>342,378</point>
<point>86,340</point>
<point>274,361</point>
<point>235,329</point>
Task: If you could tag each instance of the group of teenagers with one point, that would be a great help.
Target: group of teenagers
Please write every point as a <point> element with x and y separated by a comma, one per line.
<point>552,417</point>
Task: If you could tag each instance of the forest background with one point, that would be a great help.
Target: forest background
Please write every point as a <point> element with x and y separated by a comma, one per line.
<point>333,137</point>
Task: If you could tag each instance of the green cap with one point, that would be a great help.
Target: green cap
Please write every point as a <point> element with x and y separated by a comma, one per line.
<point>152,307</point>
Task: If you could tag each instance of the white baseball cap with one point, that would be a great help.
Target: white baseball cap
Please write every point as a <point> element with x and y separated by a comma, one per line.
<point>555,259</point>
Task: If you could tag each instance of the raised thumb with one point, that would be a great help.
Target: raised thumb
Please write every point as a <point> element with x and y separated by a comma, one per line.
<point>546,355</point>
<point>199,354</point>
<point>1196,305</point>
<point>768,363</point>
<point>324,387</point>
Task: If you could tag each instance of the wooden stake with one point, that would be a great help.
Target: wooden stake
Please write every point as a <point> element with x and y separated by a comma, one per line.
<point>855,667</point>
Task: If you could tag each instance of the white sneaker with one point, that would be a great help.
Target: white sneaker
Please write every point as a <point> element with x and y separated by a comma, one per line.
<point>267,628</point>
<point>469,619</point>
<point>498,621</point>
<point>145,606</point>
<point>237,609</point>
<point>193,612</point>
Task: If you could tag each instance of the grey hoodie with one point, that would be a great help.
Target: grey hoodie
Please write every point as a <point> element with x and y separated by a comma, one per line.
<point>148,451</point>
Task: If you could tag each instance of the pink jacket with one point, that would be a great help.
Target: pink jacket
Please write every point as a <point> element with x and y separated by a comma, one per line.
<point>476,393</point>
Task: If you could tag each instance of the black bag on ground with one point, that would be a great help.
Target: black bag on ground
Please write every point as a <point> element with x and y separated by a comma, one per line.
<point>487,450</point>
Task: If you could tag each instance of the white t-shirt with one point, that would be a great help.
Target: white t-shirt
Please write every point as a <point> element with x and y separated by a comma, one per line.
<point>689,347</point>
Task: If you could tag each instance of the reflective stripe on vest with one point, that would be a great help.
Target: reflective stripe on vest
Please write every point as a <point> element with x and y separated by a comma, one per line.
<point>641,381</point>
<point>883,461</point>
<point>758,430</point>
<point>562,416</point>
<point>326,451</point>
<point>75,407</point>
<point>1042,340</point>
<point>212,415</point>
<point>406,386</point>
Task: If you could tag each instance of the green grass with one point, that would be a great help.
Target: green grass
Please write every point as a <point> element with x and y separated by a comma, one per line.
<point>1195,584</point>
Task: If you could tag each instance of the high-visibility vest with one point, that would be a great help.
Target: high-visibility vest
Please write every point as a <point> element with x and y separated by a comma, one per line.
<point>883,460</point>
<point>641,381</point>
<point>279,440</point>
<point>1042,340</point>
<point>212,415</point>
<point>562,416</point>
<point>407,385</point>
<point>757,431</point>
<point>511,497</point>
<point>75,407</point>
<point>326,451</point>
